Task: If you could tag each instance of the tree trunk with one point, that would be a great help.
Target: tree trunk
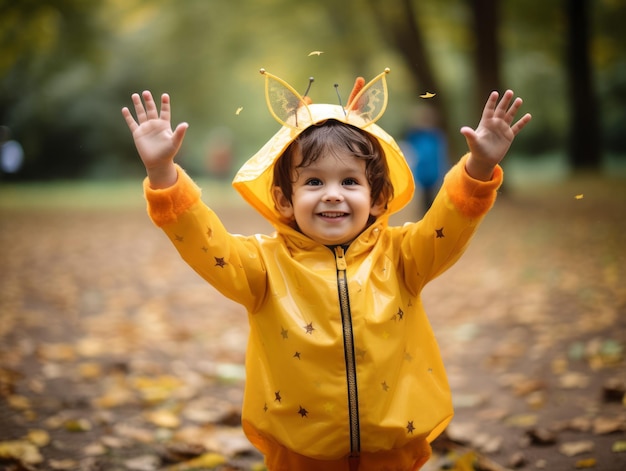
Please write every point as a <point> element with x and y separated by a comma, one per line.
<point>584,133</point>
<point>486,20</point>
<point>399,27</point>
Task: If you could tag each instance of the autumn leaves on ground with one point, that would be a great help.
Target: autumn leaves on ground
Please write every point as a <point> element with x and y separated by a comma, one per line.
<point>114,355</point>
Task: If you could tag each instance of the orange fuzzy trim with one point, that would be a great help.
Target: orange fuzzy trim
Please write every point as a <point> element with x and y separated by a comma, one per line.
<point>358,86</point>
<point>473,198</point>
<point>165,205</point>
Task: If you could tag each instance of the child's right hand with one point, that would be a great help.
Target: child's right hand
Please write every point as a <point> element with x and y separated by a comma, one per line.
<point>156,143</point>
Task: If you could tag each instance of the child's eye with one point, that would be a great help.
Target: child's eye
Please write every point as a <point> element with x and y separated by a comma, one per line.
<point>350,181</point>
<point>313,182</point>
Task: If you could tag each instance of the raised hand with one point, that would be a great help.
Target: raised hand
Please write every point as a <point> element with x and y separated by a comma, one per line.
<point>491,140</point>
<point>156,142</point>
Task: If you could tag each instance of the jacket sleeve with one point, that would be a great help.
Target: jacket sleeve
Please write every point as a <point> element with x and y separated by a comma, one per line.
<point>231,263</point>
<point>434,244</point>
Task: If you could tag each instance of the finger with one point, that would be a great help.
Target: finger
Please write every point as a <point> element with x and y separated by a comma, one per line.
<point>179,134</point>
<point>490,105</point>
<point>139,108</point>
<point>521,123</point>
<point>130,121</point>
<point>165,107</point>
<point>503,106</point>
<point>151,108</point>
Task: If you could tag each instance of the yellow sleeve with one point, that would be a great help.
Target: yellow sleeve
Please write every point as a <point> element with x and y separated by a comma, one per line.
<point>435,243</point>
<point>165,205</point>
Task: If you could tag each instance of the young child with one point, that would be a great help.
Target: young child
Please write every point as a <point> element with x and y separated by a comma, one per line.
<point>343,370</point>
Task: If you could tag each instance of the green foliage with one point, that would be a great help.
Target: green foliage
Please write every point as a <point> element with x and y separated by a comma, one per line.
<point>68,66</point>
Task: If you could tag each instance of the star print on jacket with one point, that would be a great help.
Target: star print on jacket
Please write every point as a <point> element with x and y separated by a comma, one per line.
<point>277,397</point>
<point>303,412</point>
<point>309,328</point>
<point>439,233</point>
<point>410,427</point>
<point>219,262</point>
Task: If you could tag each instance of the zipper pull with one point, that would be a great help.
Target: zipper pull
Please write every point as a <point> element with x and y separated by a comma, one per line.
<point>340,259</point>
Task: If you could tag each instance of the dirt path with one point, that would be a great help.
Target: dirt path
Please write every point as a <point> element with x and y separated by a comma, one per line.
<point>114,355</point>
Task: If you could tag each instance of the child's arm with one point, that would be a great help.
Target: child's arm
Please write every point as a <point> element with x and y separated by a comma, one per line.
<point>156,143</point>
<point>489,143</point>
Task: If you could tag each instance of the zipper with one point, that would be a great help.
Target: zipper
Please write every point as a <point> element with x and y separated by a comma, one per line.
<point>348,348</point>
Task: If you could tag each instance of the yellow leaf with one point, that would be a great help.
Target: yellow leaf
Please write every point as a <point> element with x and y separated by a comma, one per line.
<point>20,450</point>
<point>619,447</point>
<point>63,464</point>
<point>78,425</point>
<point>18,402</point>
<point>239,110</point>
<point>428,95</point>
<point>163,418</point>
<point>207,460</point>
<point>38,437</point>
<point>579,197</point>
<point>316,53</point>
<point>587,463</point>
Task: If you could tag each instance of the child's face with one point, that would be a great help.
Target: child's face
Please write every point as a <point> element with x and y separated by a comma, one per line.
<point>331,200</point>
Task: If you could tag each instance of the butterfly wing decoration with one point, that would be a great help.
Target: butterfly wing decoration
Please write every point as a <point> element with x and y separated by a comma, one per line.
<point>286,105</point>
<point>368,102</point>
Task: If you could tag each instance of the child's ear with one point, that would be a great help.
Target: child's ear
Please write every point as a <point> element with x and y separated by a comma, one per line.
<point>283,205</point>
<point>378,208</point>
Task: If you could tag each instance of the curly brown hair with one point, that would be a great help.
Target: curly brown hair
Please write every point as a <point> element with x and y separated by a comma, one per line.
<point>326,138</point>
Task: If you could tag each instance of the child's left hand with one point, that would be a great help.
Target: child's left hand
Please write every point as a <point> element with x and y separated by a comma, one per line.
<point>490,141</point>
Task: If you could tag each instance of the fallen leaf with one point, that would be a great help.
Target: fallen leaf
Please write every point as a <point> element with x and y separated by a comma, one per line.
<point>586,463</point>
<point>579,197</point>
<point>428,95</point>
<point>38,437</point>
<point>21,450</point>
<point>576,448</point>
<point>143,463</point>
<point>207,460</point>
<point>63,464</point>
<point>619,447</point>
<point>316,53</point>
<point>541,437</point>
<point>522,420</point>
<point>77,425</point>
<point>163,418</point>
<point>18,402</point>
<point>574,380</point>
<point>239,110</point>
<point>606,425</point>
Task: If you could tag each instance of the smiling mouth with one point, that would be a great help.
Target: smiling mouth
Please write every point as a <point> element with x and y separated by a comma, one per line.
<point>332,215</point>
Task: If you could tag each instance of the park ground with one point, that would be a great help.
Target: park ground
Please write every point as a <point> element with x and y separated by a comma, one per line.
<point>114,355</point>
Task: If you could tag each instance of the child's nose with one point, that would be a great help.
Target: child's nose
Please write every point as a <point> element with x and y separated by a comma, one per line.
<point>333,194</point>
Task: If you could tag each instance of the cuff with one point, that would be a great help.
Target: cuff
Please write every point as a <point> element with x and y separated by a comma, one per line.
<point>165,205</point>
<point>473,198</point>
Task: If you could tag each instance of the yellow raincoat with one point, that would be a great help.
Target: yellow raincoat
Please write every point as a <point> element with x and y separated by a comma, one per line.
<point>342,365</point>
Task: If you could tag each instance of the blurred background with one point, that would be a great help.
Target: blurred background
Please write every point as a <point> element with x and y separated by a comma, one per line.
<point>67,67</point>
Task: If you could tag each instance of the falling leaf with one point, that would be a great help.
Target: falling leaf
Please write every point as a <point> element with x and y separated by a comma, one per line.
<point>579,197</point>
<point>316,53</point>
<point>239,110</point>
<point>428,95</point>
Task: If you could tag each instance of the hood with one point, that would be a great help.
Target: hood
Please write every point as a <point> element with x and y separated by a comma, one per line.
<point>254,179</point>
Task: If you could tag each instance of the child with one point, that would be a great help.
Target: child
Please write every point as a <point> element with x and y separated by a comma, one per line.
<point>343,370</point>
